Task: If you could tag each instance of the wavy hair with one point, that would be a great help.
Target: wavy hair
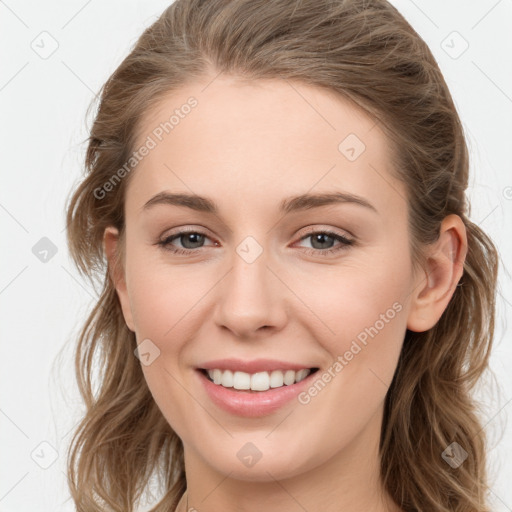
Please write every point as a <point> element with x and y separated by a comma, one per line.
<point>366,52</point>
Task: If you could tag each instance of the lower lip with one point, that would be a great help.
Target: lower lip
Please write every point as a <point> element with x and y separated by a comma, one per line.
<point>252,404</point>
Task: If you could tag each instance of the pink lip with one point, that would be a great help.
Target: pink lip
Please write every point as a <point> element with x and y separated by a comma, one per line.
<point>251,404</point>
<point>254,366</point>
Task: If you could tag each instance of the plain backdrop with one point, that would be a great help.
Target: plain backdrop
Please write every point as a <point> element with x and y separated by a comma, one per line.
<point>54,58</point>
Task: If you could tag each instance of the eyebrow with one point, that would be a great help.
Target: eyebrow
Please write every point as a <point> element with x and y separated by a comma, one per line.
<point>288,205</point>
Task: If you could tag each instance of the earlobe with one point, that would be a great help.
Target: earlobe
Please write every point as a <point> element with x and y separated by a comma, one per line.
<point>117,273</point>
<point>445,266</point>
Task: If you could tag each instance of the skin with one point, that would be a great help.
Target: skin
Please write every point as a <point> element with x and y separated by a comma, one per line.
<point>247,147</point>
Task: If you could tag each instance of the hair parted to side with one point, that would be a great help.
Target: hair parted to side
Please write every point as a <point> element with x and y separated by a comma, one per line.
<point>365,51</point>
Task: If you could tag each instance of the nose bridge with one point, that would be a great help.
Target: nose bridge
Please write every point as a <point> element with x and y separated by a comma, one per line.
<point>250,296</point>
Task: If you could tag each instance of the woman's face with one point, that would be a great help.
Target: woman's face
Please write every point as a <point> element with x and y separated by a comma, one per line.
<point>260,282</point>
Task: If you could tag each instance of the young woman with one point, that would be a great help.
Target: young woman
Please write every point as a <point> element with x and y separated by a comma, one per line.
<point>295,304</point>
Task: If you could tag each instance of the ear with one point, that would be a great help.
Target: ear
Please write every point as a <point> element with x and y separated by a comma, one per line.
<point>111,247</point>
<point>435,286</point>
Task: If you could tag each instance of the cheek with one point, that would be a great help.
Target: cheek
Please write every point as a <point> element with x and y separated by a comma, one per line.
<point>347,299</point>
<point>163,298</point>
<point>363,312</point>
<point>166,310</point>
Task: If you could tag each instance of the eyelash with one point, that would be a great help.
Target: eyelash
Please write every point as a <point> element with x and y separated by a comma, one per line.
<point>345,243</point>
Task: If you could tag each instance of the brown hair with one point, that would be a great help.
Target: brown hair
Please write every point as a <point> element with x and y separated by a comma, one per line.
<point>365,51</point>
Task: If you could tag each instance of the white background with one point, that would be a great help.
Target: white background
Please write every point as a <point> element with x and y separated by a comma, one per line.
<point>43,305</point>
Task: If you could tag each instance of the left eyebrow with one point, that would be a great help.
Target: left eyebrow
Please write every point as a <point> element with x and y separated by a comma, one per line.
<point>308,201</point>
<point>288,205</point>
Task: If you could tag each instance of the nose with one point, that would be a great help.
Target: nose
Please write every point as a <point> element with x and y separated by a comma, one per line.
<point>251,299</point>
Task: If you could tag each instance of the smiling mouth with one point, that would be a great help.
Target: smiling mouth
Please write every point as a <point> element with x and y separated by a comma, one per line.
<point>256,382</point>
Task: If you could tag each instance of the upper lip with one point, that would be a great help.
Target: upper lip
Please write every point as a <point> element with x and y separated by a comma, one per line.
<point>254,366</point>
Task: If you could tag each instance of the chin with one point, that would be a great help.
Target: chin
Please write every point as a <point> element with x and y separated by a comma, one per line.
<point>248,463</point>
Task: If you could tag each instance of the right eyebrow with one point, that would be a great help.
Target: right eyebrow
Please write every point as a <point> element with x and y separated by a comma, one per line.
<point>192,201</point>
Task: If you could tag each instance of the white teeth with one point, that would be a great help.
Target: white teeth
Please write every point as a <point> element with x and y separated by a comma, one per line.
<point>241,380</point>
<point>276,379</point>
<point>260,381</point>
<point>289,377</point>
<point>301,374</point>
<point>217,376</point>
<point>227,379</point>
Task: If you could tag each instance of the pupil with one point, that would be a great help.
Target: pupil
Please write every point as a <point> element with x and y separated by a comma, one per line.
<point>194,238</point>
<point>320,237</point>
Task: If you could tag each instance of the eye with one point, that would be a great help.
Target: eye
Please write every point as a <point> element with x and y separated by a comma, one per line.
<point>191,240</point>
<point>323,241</point>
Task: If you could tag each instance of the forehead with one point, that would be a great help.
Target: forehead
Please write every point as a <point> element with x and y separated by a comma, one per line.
<point>261,140</point>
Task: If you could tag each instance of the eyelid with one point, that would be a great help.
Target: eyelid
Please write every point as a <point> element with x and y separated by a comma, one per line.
<point>188,229</point>
<point>318,228</point>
